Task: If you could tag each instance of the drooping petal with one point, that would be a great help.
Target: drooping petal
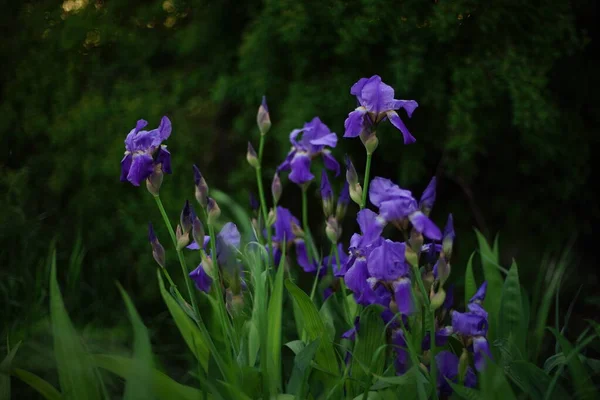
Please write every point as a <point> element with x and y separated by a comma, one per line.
<point>397,209</point>
<point>357,275</point>
<point>201,279</point>
<point>328,140</point>
<point>195,246</point>
<point>386,262</point>
<point>350,334</point>
<point>283,225</point>
<point>286,164</point>
<point>397,122</point>
<point>449,300</point>
<point>330,162</point>
<point>403,295</point>
<point>402,356</point>
<point>300,165</point>
<point>469,324</point>
<point>293,136</point>
<point>164,128</point>
<point>481,350</point>
<point>408,105</point>
<point>125,166</point>
<point>141,168</point>
<point>354,123</point>
<point>424,225</point>
<point>480,294</point>
<point>164,158</point>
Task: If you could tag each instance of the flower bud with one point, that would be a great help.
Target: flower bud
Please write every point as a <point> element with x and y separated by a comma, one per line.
<point>262,118</point>
<point>183,238</point>
<point>155,179</point>
<point>158,251</point>
<point>442,269</point>
<point>342,203</point>
<point>234,303</point>
<point>186,218</point>
<point>201,191</point>
<point>207,265</point>
<point>252,157</point>
<point>463,363</point>
<point>416,240</point>
<point>326,195</point>
<point>214,212</point>
<point>296,231</point>
<point>253,202</point>
<point>198,231</point>
<point>333,230</point>
<point>271,217</point>
<point>437,300</point>
<point>276,188</point>
<point>356,193</point>
<point>351,175</point>
<point>370,141</point>
<point>448,238</point>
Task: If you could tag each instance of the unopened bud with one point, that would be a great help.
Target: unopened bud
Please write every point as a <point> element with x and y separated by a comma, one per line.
<point>234,303</point>
<point>296,231</point>
<point>186,217</point>
<point>438,299</point>
<point>201,188</point>
<point>276,188</point>
<point>214,212</point>
<point>154,181</point>
<point>371,142</point>
<point>252,157</point>
<point>356,193</point>
<point>183,238</point>
<point>326,195</point>
<point>416,240</point>
<point>463,364</point>
<point>333,230</point>
<point>442,269</point>
<point>198,231</point>
<point>342,204</point>
<point>158,251</point>
<point>271,217</point>
<point>351,175</point>
<point>448,238</point>
<point>262,118</point>
<point>207,265</point>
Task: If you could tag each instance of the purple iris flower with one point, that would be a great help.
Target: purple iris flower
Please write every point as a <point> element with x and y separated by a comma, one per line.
<point>202,280</point>
<point>397,205</point>
<point>377,103</point>
<point>447,363</point>
<point>401,360</point>
<point>474,324</point>
<point>316,140</point>
<point>428,197</point>
<point>144,152</point>
<point>338,270</point>
<point>441,338</point>
<point>285,234</point>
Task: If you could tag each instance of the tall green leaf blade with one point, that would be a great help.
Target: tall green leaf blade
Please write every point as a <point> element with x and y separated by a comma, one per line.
<point>579,374</point>
<point>162,386</point>
<point>489,263</point>
<point>5,368</point>
<point>301,368</point>
<point>510,319</point>
<point>368,339</point>
<point>76,373</point>
<point>314,328</point>
<point>463,392</point>
<point>494,384</point>
<point>274,314</point>
<point>44,388</point>
<point>138,384</point>
<point>470,284</point>
<point>532,380</point>
<point>192,336</point>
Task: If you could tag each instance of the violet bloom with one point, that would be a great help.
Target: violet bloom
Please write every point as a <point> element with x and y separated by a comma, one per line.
<point>284,234</point>
<point>397,205</point>
<point>144,152</point>
<point>428,197</point>
<point>447,363</point>
<point>315,140</point>
<point>474,324</point>
<point>201,278</point>
<point>326,195</point>
<point>338,270</point>
<point>377,103</point>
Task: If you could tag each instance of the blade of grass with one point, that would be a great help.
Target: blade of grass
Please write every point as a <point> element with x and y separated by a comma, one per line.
<point>5,368</point>
<point>48,391</point>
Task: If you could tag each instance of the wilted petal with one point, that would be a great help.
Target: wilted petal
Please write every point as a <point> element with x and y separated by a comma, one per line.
<point>403,295</point>
<point>300,166</point>
<point>125,166</point>
<point>424,225</point>
<point>140,169</point>
<point>201,279</point>
<point>397,122</point>
<point>164,158</point>
<point>408,105</point>
<point>386,262</point>
<point>481,351</point>
<point>330,162</point>
<point>469,324</point>
<point>355,122</point>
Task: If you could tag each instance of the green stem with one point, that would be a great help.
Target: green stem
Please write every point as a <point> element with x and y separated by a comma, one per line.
<point>314,287</point>
<point>263,206</point>
<point>366,181</point>
<point>349,317</point>
<point>182,262</point>
<point>305,224</point>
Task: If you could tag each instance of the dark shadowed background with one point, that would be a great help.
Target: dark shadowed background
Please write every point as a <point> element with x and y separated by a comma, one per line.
<point>507,119</point>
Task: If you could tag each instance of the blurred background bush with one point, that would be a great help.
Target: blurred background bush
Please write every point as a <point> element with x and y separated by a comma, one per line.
<point>507,119</point>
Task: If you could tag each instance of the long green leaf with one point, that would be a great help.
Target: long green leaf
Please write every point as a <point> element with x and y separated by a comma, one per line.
<point>489,262</point>
<point>5,368</point>
<point>368,340</point>
<point>494,384</point>
<point>47,391</point>
<point>239,213</point>
<point>579,374</point>
<point>192,336</point>
<point>138,383</point>
<point>532,380</point>
<point>274,314</point>
<point>162,386</point>
<point>76,372</point>
<point>463,392</point>
<point>301,369</point>
<point>510,319</point>
<point>315,328</point>
<point>470,284</point>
